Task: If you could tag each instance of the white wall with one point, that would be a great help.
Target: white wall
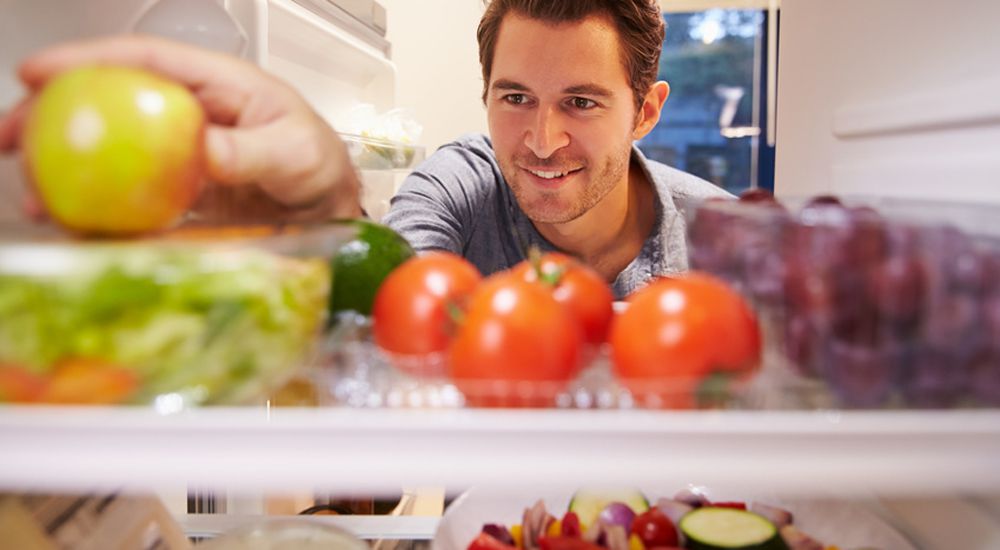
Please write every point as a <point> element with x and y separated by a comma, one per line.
<point>891,97</point>
<point>437,65</point>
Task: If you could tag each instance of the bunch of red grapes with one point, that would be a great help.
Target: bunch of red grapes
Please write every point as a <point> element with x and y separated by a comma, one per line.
<point>885,309</point>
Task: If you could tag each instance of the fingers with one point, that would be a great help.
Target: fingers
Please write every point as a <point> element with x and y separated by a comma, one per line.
<point>10,126</point>
<point>189,65</point>
<point>32,204</point>
<point>33,207</point>
<point>224,83</point>
<point>295,159</point>
<point>262,131</point>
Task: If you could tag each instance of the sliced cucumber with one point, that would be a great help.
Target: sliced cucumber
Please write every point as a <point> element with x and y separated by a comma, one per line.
<point>588,503</point>
<point>711,528</point>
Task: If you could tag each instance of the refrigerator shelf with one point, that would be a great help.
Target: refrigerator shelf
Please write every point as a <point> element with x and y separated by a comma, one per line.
<point>345,450</point>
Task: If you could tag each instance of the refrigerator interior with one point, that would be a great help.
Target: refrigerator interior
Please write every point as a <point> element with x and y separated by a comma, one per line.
<point>889,98</point>
<point>861,87</point>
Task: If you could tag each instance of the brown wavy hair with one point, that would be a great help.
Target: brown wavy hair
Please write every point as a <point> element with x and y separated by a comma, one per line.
<point>639,24</point>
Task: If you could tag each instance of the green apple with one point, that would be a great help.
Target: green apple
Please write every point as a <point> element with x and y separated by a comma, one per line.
<point>115,151</point>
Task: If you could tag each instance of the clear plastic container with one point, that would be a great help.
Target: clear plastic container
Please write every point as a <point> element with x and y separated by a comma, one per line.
<point>355,372</point>
<point>370,153</point>
<point>195,316</point>
<point>382,164</point>
<point>872,302</point>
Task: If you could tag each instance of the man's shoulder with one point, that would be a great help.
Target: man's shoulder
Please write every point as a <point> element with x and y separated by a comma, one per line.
<point>461,174</point>
<point>478,144</point>
<point>681,184</point>
<point>467,161</point>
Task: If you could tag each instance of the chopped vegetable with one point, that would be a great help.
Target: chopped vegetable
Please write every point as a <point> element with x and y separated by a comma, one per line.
<point>566,543</point>
<point>711,528</point>
<point>589,503</point>
<point>486,542</point>
<point>499,532</point>
<point>653,528</point>
<point>778,516</point>
<point>724,525</point>
<point>617,513</point>
<point>673,509</point>
<point>730,504</point>
<point>570,525</point>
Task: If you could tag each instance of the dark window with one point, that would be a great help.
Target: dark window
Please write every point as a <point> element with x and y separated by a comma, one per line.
<point>713,124</point>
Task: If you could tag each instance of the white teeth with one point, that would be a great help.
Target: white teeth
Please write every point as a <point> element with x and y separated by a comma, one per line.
<point>548,175</point>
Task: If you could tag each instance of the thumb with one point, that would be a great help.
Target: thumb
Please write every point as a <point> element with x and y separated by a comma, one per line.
<point>236,156</point>
<point>284,159</point>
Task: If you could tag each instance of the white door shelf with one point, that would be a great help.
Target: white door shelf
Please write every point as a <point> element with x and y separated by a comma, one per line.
<point>381,450</point>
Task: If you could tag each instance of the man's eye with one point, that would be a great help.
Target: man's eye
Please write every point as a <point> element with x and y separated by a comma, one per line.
<point>583,103</point>
<point>514,99</point>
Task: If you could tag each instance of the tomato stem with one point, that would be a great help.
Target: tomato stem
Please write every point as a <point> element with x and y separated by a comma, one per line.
<point>550,279</point>
<point>455,313</point>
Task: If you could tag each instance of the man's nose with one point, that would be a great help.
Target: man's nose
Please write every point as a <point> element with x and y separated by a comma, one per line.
<point>547,135</point>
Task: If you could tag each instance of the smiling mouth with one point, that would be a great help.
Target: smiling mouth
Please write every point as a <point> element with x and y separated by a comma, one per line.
<point>553,175</point>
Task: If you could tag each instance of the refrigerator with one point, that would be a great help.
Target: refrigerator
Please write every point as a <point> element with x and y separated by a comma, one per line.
<point>890,98</point>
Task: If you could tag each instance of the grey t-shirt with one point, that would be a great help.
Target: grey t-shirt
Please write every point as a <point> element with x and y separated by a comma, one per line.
<point>457,200</point>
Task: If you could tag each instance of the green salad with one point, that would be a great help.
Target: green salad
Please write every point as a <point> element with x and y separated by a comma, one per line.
<point>214,327</point>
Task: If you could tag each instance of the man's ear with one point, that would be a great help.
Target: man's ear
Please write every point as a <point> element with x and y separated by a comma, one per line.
<point>649,113</point>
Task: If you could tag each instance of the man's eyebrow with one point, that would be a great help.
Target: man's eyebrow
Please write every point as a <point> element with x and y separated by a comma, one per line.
<point>504,84</point>
<point>578,89</point>
<point>589,89</point>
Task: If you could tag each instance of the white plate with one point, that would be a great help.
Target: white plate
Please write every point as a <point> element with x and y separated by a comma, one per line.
<point>848,526</point>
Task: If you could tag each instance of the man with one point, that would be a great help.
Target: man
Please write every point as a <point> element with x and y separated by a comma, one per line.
<point>569,85</point>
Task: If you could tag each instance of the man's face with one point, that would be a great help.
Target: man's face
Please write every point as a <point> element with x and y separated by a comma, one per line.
<point>561,114</point>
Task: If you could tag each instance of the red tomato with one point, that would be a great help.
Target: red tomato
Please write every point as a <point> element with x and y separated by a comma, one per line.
<point>514,332</point>
<point>486,542</point>
<point>413,307</point>
<point>654,529</point>
<point>566,543</point>
<point>677,331</point>
<point>570,525</point>
<point>730,504</point>
<point>90,382</point>
<point>19,385</point>
<point>579,288</point>
<point>740,348</point>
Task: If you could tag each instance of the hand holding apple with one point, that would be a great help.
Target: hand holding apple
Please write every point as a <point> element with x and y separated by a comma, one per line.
<point>266,152</point>
<point>115,150</point>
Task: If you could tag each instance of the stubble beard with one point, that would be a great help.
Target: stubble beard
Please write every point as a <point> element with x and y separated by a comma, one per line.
<point>550,207</point>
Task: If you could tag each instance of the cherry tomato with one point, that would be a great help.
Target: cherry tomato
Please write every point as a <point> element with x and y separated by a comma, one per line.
<point>516,339</point>
<point>415,306</point>
<point>576,286</point>
<point>566,543</point>
<point>677,331</point>
<point>654,529</point>
<point>486,542</point>
<point>570,525</point>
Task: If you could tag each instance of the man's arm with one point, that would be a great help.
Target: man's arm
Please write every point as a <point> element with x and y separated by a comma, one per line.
<point>267,149</point>
<point>436,207</point>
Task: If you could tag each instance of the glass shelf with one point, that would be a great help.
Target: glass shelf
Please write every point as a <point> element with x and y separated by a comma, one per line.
<point>373,451</point>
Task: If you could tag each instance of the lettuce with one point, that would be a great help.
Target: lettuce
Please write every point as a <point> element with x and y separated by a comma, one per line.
<point>215,328</point>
